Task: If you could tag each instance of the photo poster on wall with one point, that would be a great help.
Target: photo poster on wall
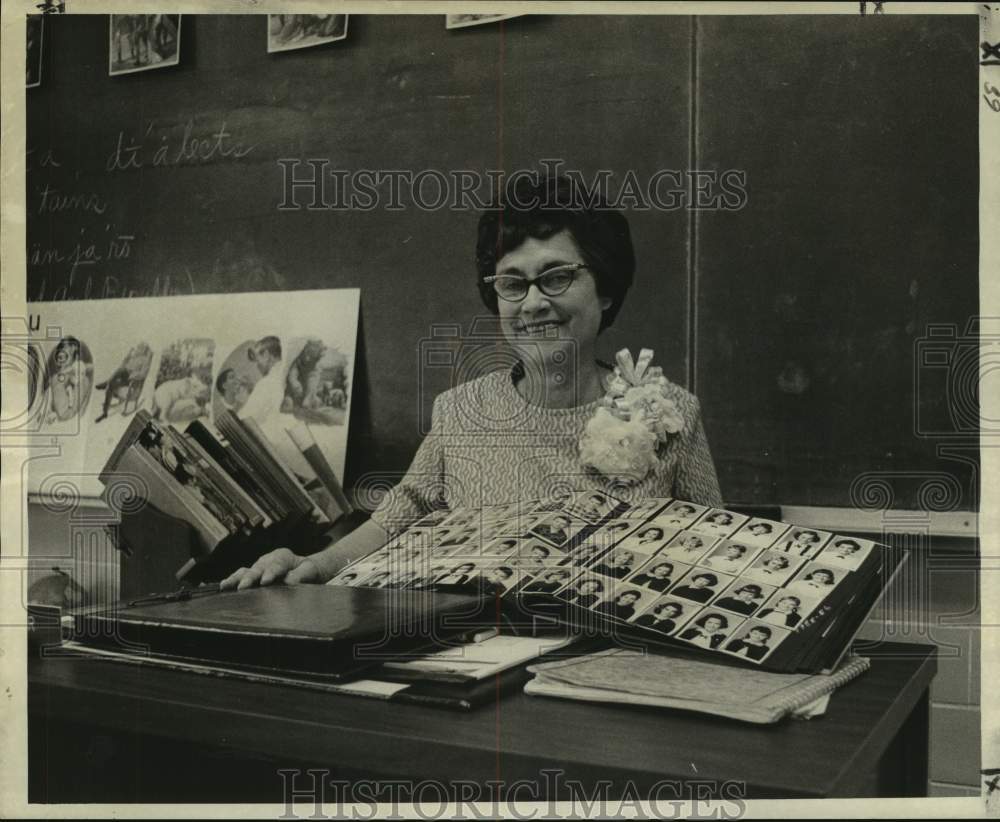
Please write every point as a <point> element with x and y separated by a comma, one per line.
<point>283,359</point>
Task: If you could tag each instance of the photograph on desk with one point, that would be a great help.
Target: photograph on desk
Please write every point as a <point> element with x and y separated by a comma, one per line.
<point>718,523</point>
<point>729,557</point>
<point>760,532</point>
<point>679,514</point>
<point>647,539</point>
<point>658,574</point>
<point>802,542</point>
<point>665,614</point>
<point>742,597</point>
<point>689,547</point>
<point>644,509</point>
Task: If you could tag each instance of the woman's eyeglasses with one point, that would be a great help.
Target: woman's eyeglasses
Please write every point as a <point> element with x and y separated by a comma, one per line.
<point>551,283</point>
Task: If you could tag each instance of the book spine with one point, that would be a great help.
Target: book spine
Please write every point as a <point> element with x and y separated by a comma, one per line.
<point>233,467</point>
<point>135,427</point>
<point>309,448</point>
<point>167,494</point>
<point>252,513</point>
<point>243,445</point>
<point>303,502</point>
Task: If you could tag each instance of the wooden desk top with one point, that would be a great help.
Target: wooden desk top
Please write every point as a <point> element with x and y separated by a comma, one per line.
<point>512,739</point>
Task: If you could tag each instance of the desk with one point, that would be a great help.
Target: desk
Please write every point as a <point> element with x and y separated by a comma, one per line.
<point>105,732</point>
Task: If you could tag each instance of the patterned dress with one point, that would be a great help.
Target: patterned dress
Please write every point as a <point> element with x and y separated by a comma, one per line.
<point>488,445</point>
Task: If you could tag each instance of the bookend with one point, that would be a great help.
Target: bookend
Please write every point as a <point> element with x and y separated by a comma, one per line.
<point>158,549</point>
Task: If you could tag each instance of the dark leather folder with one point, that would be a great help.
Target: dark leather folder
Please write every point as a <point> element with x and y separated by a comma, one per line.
<point>333,631</point>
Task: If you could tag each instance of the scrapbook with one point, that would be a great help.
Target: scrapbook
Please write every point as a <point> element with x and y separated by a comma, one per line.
<point>707,582</point>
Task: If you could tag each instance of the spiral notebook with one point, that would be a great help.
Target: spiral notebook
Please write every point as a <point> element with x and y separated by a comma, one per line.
<point>666,681</point>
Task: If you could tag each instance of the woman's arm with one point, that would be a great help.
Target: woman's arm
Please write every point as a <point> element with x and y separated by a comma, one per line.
<point>367,537</point>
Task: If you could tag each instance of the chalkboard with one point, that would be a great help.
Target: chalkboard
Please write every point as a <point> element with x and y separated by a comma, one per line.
<point>400,92</point>
<point>817,303</point>
<point>195,208</point>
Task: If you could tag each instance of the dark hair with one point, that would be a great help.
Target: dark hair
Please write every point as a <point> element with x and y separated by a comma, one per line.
<point>850,542</point>
<point>712,578</point>
<point>707,617</point>
<point>221,379</point>
<point>659,609</point>
<point>80,352</point>
<point>752,588</point>
<point>764,630</point>
<point>271,344</point>
<point>541,209</point>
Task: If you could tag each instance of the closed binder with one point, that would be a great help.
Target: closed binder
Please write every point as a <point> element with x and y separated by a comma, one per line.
<point>311,629</point>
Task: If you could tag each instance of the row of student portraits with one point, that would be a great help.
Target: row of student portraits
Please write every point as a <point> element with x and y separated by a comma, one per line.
<point>714,578</point>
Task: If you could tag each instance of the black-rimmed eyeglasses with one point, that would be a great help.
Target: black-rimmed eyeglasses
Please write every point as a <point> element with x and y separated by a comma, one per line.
<point>552,282</point>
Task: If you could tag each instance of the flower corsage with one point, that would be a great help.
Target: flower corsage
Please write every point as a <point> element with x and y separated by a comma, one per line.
<point>635,417</point>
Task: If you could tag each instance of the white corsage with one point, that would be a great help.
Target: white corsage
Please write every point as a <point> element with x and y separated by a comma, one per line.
<point>635,417</point>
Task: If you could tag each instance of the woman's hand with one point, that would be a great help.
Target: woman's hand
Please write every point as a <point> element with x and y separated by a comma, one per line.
<point>272,567</point>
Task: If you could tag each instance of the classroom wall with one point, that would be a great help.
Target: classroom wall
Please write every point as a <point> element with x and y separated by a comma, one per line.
<point>796,319</point>
<point>935,600</point>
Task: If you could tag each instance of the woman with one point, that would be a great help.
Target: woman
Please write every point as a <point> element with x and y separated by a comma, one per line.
<point>663,617</point>
<point>707,631</point>
<point>745,600</point>
<point>622,606</point>
<point>658,577</point>
<point>556,276</point>
<point>785,612</point>
<point>753,645</point>
<point>701,588</point>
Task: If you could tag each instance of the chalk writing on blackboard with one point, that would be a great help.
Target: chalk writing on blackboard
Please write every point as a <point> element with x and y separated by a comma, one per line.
<point>52,201</point>
<point>41,159</point>
<point>188,148</point>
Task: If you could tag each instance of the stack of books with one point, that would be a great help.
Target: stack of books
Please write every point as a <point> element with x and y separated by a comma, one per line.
<point>230,485</point>
<point>704,581</point>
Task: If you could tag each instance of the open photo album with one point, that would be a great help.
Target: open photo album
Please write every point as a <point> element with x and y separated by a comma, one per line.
<point>705,580</point>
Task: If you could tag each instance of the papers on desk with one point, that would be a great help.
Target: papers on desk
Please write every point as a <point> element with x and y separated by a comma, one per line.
<point>476,661</point>
<point>667,681</point>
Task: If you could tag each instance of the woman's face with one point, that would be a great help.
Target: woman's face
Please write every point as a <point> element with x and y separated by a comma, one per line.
<point>712,624</point>
<point>573,315</point>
